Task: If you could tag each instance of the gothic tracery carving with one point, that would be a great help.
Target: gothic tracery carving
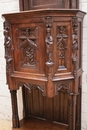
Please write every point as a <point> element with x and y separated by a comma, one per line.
<point>63,87</point>
<point>27,39</point>
<point>31,87</point>
<point>62,45</point>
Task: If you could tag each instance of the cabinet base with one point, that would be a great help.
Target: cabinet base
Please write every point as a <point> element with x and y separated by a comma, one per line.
<point>36,124</point>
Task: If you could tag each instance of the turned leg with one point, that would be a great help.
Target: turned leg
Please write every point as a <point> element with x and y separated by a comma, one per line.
<point>72,112</point>
<point>15,118</point>
<point>24,103</point>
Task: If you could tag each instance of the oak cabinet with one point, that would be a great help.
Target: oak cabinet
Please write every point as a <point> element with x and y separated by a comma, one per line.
<point>43,55</point>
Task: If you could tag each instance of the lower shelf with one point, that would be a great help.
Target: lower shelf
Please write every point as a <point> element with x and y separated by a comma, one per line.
<point>36,124</point>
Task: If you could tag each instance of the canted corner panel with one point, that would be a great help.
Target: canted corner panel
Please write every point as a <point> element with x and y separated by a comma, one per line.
<point>62,44</point>
<point>62,39</point>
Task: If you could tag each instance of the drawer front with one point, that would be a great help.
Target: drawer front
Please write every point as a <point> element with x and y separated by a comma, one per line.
<point>28,41</point>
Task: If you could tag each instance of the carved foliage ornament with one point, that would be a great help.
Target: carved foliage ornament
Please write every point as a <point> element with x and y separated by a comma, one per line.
<point>62,45</point>
<point>27,39</point>
<point>7,44</point>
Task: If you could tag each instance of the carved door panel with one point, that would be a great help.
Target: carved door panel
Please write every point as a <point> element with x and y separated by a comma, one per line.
<point>62,47</point>
<point>29,48</point>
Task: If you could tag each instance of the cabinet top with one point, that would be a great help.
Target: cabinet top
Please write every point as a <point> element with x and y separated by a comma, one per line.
<point>44,12</point>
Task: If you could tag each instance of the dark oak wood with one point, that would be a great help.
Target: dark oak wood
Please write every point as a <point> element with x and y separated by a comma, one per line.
<point>43,56</point>
<point>15,117</point>
<point>42,4</point>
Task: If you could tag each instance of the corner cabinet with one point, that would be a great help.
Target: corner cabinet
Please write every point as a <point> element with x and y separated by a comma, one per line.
<point>43,54</point>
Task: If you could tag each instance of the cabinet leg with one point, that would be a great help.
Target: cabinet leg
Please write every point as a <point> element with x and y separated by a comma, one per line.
<point>72,112</point>
<point>15,118</point>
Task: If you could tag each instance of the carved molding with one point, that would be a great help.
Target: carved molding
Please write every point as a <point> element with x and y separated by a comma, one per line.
<point>62,45</point>
<point>75,44</point>
<point>28,44</point>
<point>31,87</point>
<point>7,44</point>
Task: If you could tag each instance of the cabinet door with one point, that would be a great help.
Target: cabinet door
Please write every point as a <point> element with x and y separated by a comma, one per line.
<point>28,42</point>
<point>62,47</point>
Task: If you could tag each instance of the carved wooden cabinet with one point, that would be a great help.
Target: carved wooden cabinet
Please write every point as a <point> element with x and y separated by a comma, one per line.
<point>43,54</point>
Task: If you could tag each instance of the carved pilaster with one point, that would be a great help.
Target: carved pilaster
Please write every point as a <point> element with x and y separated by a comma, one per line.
<point>8,47</point>
<point>49,42</point>
<point>15,117</point>
<point>49,50</point>
<point>75,44</point>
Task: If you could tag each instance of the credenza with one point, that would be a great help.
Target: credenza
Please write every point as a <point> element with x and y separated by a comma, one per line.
<point>43,51</point>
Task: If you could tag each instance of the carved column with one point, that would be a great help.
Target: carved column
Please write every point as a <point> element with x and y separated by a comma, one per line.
<point>73,96</point>
<point>49,50</point>
<point>72,111</point>
<point>8,49</point>
<point>15,118</point>
<point>75,44</point>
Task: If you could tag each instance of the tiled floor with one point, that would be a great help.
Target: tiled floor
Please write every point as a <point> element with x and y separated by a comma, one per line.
<point>5,125</point>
